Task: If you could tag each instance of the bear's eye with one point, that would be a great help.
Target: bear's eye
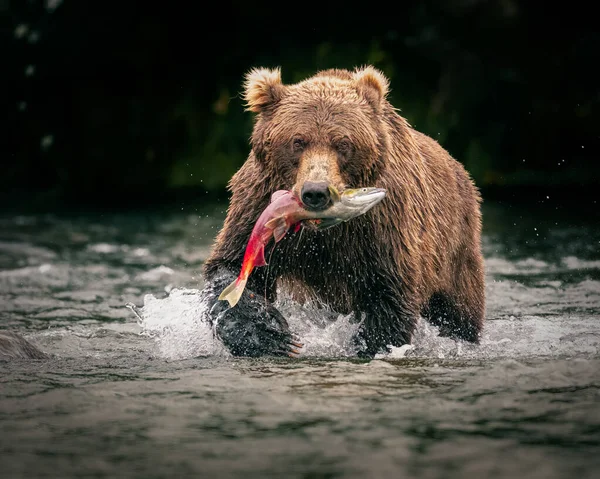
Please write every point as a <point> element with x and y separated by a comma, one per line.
<point>343,146</point>
<point>298,144</point>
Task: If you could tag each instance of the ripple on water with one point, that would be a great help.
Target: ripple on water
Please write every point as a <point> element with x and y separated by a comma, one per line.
<point>524,402</point>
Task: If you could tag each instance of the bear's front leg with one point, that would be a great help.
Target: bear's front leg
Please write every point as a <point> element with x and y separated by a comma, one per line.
<point>253,327</point>
<point>388,320</point>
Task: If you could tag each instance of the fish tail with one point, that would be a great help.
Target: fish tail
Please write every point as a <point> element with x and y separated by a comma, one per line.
<point>233,292</point>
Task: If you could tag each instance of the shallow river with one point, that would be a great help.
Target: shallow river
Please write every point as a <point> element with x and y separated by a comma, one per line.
<point>156,396</point>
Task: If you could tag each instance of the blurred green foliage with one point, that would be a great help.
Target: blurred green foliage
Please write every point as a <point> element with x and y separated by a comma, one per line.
<point>136,101</point>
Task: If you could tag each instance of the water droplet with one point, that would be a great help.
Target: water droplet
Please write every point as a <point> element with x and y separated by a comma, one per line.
<point>52,5</point>
<point>33,37</point>
<point>21,30</point>
<point>46,142</point>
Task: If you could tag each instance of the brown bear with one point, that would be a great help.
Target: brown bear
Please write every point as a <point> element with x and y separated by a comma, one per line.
<point>416,253</point>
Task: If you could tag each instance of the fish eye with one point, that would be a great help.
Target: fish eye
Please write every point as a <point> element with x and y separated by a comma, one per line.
<point>364,190</point>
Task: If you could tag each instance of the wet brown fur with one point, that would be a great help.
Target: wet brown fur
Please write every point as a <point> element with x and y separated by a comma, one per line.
<point>417,252</point>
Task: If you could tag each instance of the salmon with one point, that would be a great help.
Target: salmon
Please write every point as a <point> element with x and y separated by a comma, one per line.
<point>286,210</point>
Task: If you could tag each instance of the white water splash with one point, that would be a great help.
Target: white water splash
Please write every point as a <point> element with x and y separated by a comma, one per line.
<point>180,331</point>
<point>396,352</point>
<point>323,332</point>
<point>176,322</point>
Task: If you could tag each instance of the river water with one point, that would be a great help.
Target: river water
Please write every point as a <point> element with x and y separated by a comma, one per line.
<point>157,396</point>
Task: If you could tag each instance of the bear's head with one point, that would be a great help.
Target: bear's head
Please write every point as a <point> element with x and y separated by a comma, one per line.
<point>324,131</point>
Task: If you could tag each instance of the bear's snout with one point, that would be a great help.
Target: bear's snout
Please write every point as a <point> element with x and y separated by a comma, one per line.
<point>315,195</point>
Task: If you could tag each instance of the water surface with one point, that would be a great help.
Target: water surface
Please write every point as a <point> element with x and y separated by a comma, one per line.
<point>159,397</point>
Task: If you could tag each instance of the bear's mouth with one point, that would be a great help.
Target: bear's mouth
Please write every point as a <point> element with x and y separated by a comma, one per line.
<point>317,209</point>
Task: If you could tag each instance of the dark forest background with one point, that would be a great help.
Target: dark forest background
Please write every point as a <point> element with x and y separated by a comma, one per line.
<point>125,104</point>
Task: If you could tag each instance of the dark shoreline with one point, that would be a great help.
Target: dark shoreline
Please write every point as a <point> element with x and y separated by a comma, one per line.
<point>583,199</point>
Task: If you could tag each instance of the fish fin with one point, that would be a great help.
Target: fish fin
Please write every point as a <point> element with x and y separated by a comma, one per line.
<point>280,231</point>
<point>272,223</point>
<point>260,258</point>
<point>279,227</point>
<point>278,194</point>
<point>233,292</point>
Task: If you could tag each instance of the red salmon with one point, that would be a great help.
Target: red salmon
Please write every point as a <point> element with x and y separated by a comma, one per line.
<point>284,211</point>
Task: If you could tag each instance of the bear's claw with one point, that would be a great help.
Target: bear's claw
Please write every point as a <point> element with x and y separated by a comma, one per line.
<point>253,327</point>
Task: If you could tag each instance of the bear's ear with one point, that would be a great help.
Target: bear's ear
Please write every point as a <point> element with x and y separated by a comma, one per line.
<point>371,84</point>
<point>262,88</point>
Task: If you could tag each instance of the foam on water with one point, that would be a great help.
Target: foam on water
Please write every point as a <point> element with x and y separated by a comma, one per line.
<point>176,322</point>
<point>323,332</point>
<point>530,266</point>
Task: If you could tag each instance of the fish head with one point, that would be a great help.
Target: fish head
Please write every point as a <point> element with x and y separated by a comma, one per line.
<point>349,204</point>
<point>360,200</point>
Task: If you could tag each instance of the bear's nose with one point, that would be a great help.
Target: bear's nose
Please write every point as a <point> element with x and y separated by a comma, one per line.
<point>315,194</point>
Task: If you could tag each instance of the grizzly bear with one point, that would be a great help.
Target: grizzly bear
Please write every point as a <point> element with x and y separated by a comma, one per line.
<point>417,253</point>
